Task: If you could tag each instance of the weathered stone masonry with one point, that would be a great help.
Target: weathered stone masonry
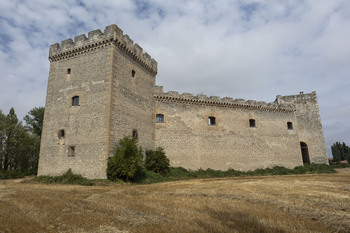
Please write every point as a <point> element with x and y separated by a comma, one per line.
<point>102,88</point>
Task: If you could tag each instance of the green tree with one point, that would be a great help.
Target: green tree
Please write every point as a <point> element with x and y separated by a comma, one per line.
<point>340,151</point>
<point>157,161</point>
<point>126,160</point>
<point>13,132</point>
<point>29,152</point>
<point>34,120</point>
<point>2,138</point>
<point>19,149</point>
<point>34,124</point>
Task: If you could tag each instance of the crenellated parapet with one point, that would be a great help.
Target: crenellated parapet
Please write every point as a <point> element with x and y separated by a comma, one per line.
<point>300,98</point>
<point>97,39</point>
<point>187,98</point>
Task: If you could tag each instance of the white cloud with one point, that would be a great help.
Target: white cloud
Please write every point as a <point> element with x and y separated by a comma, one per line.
<point>252,49</point>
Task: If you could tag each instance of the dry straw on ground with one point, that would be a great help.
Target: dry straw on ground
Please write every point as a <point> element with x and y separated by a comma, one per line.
<point>300,203</point>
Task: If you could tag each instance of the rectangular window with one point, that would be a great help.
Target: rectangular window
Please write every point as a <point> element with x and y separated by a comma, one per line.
<point>61,133</point>
<point>133,73</point>
<point>211,120</point>
<point>75,101</point>
<point>289,125</point>
<point>160,118</point>
<point>252,123</point>
<point>68,71</point>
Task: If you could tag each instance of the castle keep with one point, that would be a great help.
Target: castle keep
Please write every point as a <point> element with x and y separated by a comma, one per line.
<point>102,88</point>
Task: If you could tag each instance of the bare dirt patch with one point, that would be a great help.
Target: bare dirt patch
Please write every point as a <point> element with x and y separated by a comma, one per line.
<point>300,203</point>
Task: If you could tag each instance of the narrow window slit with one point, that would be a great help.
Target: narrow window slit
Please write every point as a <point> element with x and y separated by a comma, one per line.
<point>135,134</point>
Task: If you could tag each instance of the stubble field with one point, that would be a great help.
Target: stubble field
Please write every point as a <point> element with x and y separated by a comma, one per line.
<point>299,203</point>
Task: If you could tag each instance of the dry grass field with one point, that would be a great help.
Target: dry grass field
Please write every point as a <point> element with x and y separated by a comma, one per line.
<point>298,203</point>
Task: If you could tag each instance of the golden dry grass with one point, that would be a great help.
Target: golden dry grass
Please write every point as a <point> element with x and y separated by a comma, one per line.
<point>299,203</point>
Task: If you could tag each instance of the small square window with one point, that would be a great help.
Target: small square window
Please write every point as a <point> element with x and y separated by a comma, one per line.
<point>160,118</point>
<point>71,151</point>
<point>252,123</point>
<point>61,133</point>
<point>75,101</point>
<point>211,120</point>
<point>289,125</point>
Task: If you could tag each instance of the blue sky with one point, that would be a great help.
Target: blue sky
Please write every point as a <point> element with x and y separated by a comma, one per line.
<point>241,49</point>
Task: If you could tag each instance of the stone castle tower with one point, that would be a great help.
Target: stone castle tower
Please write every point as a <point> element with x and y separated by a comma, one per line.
<point>102,88</point>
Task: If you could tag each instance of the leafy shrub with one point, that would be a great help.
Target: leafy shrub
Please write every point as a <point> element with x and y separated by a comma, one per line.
<point>156,161</point>
<point>277,170</point>
<point>208,173</point>
<point>143,176</point>
<point>300,170</point>
<point>340,165</point>
<point>149,177</point>
<point>67,178</point>
<point>233,172</point>
<point>13,174</point>
<point>126,160</point>
<point>319,168</point>
<point>179,173</point>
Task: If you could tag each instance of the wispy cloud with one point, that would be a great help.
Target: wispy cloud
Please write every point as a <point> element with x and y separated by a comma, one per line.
<point>253,49</point>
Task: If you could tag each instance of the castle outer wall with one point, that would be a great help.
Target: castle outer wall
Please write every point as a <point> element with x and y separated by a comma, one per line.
<point>309,124</point>
<point>191,142</point>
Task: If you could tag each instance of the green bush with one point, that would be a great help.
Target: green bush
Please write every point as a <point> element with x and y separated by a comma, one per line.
<point>149,177</point>
<point>233,172</point>
<point>143,176</point>
<point>156,161</point>
<point>179,173</point>
<point>340,165</point>
<point>67,178</point>
<point>319,168</point>
<point>126,160</point>
<point>13,174</point>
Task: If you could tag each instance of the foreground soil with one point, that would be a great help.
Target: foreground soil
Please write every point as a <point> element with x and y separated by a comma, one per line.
<point>300,203</point>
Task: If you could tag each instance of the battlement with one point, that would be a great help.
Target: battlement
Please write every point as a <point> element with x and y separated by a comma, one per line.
<point>300,98</point>
<point>173,96</point>
<point>97,39</point>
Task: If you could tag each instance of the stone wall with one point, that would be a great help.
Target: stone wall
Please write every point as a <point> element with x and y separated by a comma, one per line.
<point>115,82</point>
<point>112,103</point>
<point>86,125</point>
<point>190,142</point>
<point>132,106</point>
<point>309,124</point>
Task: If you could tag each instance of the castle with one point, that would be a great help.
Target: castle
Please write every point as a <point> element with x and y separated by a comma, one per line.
<point>102,88</point>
